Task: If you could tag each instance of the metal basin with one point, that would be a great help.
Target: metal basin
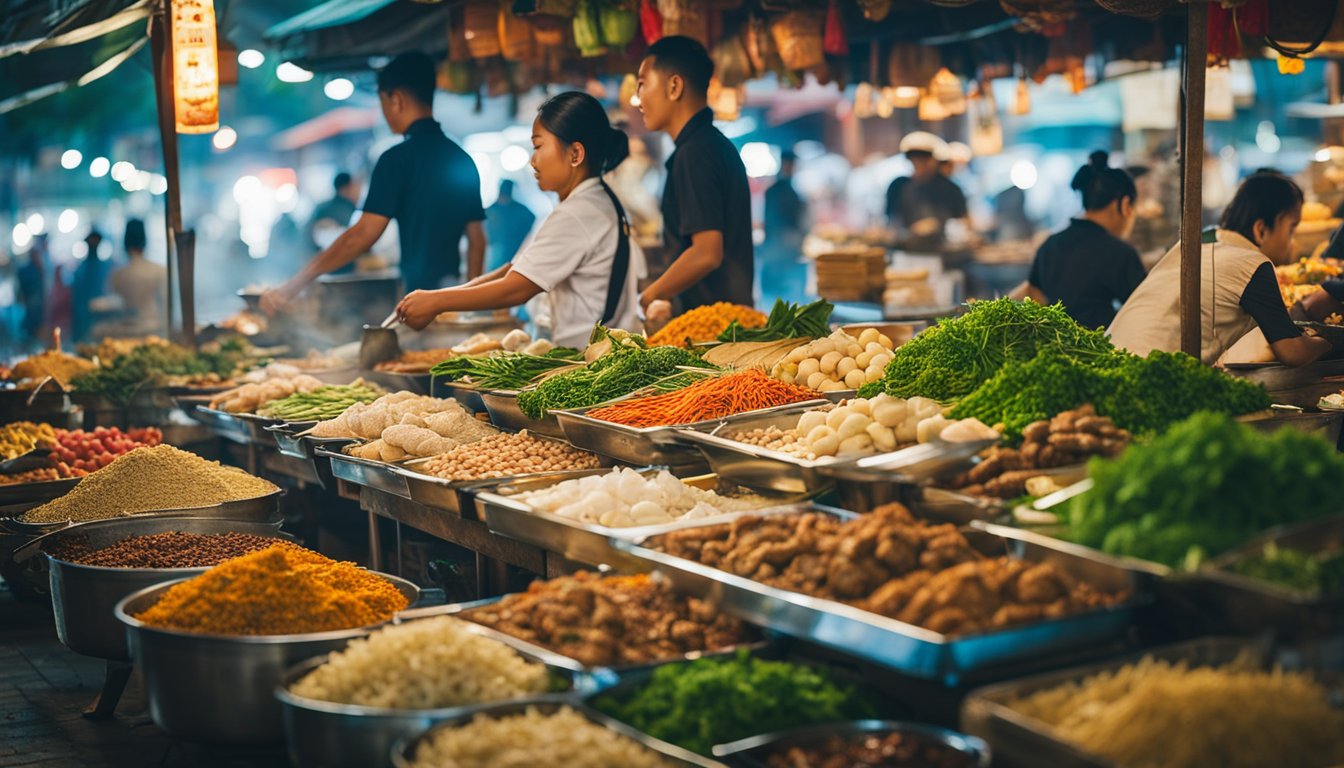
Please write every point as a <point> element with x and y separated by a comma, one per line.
<point>256,509</point>
<point>332,735</point>
<point>83,596</point>
<point>220,689</point>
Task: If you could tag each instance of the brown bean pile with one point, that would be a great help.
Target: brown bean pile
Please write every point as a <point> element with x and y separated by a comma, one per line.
<point>172,549</point>
<point>891,750</point>
<point>506,455</point>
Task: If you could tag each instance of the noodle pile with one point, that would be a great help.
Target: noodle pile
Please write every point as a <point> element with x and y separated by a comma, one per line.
<point>1159,715</point>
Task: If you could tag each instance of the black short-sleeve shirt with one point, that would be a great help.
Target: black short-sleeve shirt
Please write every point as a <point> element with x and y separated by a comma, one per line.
<point>431,187</point>
<point>1089,270</point>
<point>706,191</point>
<point>910,200</point>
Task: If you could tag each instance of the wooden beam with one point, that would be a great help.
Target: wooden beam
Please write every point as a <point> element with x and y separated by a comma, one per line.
<point>161,44</point>
<point>1192,174</point>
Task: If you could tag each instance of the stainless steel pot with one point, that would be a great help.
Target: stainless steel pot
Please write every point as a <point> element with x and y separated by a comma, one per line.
<point>219,689</point>
<point>333,735</point>
<point>83,596</point>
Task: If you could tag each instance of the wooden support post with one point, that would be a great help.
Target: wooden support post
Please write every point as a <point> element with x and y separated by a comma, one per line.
<point>1192,174</point>
<point>161,45</point>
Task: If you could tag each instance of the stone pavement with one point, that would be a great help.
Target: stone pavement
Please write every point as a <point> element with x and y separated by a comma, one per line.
<point>43,690</point>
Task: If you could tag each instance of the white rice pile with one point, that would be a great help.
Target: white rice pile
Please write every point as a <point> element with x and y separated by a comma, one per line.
<point>533,739</point>
<point>425,664</point>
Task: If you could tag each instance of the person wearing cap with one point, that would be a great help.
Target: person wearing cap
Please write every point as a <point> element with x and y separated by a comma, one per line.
<point>428,183</point>
<point>783,273</point>
<point>706,201</point>
<point>923,202</point>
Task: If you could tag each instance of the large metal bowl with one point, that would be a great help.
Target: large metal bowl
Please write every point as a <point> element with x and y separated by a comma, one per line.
<point>332,735</point>
<point>220,689</point>
<point>83,596</point>
<point>256,509</point>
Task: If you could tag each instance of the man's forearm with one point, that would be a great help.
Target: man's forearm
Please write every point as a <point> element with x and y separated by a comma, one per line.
<point>492,275</point>
<point>692,266</point>
<point>1300,350</point>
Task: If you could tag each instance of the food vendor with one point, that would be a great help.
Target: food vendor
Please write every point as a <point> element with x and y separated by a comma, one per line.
<point>1088,266</point>
<point>1239,292</point>
<point>706,202</point>
<point>582,255</point>
<point>924,202</point>
<point>427,183</point>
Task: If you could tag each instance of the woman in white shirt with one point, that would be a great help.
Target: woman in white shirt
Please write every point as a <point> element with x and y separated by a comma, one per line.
<point>582,256</point>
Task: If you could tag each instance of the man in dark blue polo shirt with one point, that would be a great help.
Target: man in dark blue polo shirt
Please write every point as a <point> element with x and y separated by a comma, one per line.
<point>706,202</point>
<point>427,183</point>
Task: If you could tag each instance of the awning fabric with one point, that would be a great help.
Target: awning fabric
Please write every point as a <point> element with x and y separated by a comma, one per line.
<point>32,25</point>
<point>28,77</point>
<point>341,34</point>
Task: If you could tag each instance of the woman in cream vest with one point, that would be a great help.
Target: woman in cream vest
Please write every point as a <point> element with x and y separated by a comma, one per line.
<point>1239,293</point>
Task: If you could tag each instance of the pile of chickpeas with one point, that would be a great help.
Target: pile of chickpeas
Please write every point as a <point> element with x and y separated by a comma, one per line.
<point>506,455</point>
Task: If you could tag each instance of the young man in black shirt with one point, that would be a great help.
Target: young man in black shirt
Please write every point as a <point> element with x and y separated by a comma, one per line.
<point>706,202</point>
<point>427,183</point>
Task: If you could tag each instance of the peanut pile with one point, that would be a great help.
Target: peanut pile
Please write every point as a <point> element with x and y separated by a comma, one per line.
<point>506,455</point>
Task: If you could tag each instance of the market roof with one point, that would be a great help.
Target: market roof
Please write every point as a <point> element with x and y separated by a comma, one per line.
<point>30,25</point>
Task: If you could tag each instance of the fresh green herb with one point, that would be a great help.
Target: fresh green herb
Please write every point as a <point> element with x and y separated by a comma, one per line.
<point>711,701</point>
<point>151,365</point>
<point>952,359</point>
<point>1313,572</point>
<point>626,367</point>
<point>322,403</point>
<point>1203,487</point>
<point>1142,395</point>
<point>506,370</point>
<point>786,321</point>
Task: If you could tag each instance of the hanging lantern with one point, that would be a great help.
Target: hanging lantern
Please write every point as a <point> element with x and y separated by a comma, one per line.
<point>195,66</point>
<point>863,101</point>
<point>931,108</point>
<point>882,105</point>
<point>1022,104</point>
<point>724,101</point>
<point>947,87</point>
<point>903,96</point>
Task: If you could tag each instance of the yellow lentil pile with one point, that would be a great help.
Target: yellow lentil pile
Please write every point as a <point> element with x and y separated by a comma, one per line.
<point>705,324</point>
<point>505,455</point>
<point>146,479</point>
<point>281,590</point>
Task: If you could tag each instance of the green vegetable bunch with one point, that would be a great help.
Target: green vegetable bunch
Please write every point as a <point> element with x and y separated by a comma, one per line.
<point>622,370</point>
<point>711,701</point>
<point>786,321</point>
<point>1206,485</point>
<point>507,370</point>
<point>953,358</point>
<point>322,403</point>
<point>1311,572</point>
<point>1142,395</point>
<point>148,365</point>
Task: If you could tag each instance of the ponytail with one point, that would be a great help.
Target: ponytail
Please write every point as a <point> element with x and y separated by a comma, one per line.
<point>574,117</point>
<point>1100,185</point>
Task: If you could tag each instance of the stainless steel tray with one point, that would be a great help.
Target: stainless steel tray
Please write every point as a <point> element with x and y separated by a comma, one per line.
<point>913,650</point>
<point>458,497</point>
<point>755,751</point>
<point>466,394</point>
<point>755,466</point>
<point>303,448</point>
<point>509,516</point>
<point>504,413</point>
<point>1021,740</point>
<point>419,383</point>
<point>257,509</point>
<point>648,445</point>
<point>403,754</point>
<point>15,494</point>
<point>378,475</point>
<point>239,427</point>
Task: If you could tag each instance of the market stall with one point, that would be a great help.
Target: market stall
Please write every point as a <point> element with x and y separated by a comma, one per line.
<point>868,528</point>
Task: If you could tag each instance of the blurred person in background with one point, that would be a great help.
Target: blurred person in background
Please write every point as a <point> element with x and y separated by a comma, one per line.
<point>59,306</point>
<point>142,286</point>
<point>32,290</point>
<point>428,183</point>
<point>783,270</point>
<point>332,217</point>
<point>1088,266</point>
<point>507,223</point>
<point>89,283</point>
<point>921,204</point>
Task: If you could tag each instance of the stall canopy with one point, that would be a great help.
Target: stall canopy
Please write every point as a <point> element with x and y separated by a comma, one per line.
<point>345,33</point>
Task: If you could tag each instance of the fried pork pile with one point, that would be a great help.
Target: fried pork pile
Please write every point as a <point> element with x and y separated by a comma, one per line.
<point>615,620</point>
<point>889,563</point>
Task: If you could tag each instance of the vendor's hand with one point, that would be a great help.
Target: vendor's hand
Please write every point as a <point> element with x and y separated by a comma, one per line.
<point>658,314</point>
<point>417,309</point>
<point>274,301</point>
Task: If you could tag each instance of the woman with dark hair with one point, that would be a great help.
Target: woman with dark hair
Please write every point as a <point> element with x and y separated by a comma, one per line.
<point>1088,266</point>
<point>582,256</point>
<point>1238,294</point>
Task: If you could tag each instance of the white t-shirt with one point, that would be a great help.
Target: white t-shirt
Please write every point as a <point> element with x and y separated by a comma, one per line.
<point>570,257</point>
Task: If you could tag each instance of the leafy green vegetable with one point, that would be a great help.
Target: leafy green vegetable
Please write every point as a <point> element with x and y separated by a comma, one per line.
<point>786,321</point>
<point>1205,486</point>
<point>322,403</point>
<point>506,370</point>
<point>953,358</point>
<point>149,365</point>
<point>627,366</point>
<point>1314,572</point>
<point>711,701</point>
<point>1142,395</point>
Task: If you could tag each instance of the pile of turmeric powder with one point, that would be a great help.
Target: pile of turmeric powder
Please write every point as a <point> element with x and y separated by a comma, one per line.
<point>281,590</point>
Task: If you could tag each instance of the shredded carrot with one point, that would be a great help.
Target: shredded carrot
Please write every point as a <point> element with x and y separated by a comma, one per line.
<point>712,398</point>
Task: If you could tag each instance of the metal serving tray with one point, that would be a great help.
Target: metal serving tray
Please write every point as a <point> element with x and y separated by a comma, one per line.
<point>591,544</point>
<point>15,494</point>
<point>904,647</point>
<point>459,496</point>
<point>650,445</point>
<point>239,427</point>
<point>378,475</point>
<point>755,466</point>
<point>755,751</point>
<point>394,381</point>
<point>502,405</point>
<point>403,754</point>
<point>1019,740</point>
<point>466,394</point>
<point>293,444</point>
